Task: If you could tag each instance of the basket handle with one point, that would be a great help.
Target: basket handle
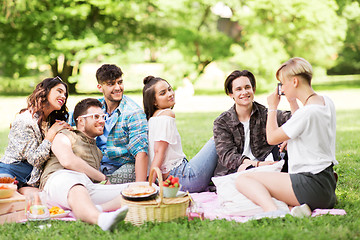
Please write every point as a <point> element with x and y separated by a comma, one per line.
<point>160,179</point>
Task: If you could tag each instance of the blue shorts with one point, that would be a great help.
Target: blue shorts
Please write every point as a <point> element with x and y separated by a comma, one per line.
<point>20,170</point>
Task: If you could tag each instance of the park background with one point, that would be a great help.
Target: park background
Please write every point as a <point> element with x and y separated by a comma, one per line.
<point>194,44</point>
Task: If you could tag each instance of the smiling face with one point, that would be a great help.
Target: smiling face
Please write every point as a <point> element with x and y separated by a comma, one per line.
<point>164,95</point>
<point>89,125</point>
<point>242,91</point>
<point>57,97</point>
<point>112,90</point>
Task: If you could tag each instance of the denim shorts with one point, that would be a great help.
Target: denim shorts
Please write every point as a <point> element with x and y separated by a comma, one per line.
<point>20,170</point>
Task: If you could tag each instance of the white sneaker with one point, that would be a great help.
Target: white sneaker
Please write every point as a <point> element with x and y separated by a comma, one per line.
<point>301,211</point>
<point>109,220</point>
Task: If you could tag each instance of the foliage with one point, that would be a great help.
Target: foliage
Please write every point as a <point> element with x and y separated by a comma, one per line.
<point>185,35</point>
<point>64,34</point>
<point>273,31</point>
<point>349,57</point>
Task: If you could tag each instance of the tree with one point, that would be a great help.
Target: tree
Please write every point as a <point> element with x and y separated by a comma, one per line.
<point>73,31</point>
<point>275,30</point>
<point>348,61</point>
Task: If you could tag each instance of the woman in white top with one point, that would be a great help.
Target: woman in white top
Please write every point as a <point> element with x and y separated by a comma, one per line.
<point>310,133</point>
<point>165,150</point>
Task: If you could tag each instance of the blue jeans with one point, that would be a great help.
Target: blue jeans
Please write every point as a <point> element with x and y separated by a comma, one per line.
<point>195,175</point>
<point>20,170</point>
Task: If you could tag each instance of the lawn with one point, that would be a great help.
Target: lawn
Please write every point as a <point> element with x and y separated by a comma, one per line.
<point>195,129</point>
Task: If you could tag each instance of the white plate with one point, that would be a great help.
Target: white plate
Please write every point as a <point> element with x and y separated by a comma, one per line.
<point>181,194</point>
<point>60,215</point>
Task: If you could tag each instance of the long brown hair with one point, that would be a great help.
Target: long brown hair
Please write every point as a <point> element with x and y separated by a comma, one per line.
<point>37,102</point>
<point>149,95</point>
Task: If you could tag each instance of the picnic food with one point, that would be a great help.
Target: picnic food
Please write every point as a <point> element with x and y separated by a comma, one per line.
<point>7,190</point>
<point>56,210</point>
<point>37,209</point>
<point>8,180</point>
<point>135,190</point>
<point>171,182</point>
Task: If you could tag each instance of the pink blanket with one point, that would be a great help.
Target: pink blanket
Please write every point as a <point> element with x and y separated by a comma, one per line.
<point>211,208</point>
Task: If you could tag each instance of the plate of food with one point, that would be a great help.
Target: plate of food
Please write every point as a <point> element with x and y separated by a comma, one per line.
<point>57,212</point>
<point>139,192</point>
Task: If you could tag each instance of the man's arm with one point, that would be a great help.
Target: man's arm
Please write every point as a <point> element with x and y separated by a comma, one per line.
<point>61,147</point>
<point>141,165</point>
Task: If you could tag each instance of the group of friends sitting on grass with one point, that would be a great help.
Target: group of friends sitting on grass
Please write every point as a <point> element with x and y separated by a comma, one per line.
<point>83,160</point>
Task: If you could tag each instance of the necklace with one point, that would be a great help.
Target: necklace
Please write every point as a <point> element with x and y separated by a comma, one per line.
<point>309,98</point>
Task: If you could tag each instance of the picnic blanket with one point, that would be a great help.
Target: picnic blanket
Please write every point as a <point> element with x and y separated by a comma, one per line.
<point>210,205</point>
<point>212,209</point>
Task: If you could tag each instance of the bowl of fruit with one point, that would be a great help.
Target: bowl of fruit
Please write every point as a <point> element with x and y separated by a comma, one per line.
<point>171,187</point>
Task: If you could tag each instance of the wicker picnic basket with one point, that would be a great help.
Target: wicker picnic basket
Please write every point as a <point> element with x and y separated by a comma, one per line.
<point>157,210</point>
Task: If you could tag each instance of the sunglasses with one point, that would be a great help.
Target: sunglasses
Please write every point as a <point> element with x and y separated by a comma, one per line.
<point>95,116</point>
<point>58,78</point>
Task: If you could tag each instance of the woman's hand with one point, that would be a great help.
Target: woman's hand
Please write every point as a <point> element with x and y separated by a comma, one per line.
<point>55,128</point>
<point>273,100</point>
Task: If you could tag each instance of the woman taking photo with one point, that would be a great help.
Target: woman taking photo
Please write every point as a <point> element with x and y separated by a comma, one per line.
<point>165,150</point>
<point>310,133</point>
<point>32,132</point>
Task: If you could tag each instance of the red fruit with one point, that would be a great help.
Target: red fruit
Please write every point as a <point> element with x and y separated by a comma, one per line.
<point>165,184</point>
<point>170,177</point>
<point>174,180</point>
<point>176,185</point>
<point>171,186</point>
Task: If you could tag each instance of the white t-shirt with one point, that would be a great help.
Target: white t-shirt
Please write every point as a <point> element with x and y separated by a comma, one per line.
<point>163,128</point>
<point>312,133</point>
<point>247,149</point>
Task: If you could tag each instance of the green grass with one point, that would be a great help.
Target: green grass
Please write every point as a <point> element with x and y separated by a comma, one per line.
<point>196,129</point>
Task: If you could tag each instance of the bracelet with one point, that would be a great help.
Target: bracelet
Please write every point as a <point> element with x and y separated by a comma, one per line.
<point>257,164</point>
<point>272,110</point>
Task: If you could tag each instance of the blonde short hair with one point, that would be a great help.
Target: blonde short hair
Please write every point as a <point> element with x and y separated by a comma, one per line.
<point>295,67</point>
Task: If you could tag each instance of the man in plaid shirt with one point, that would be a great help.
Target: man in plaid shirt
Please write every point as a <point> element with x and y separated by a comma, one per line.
<point>124,143</point>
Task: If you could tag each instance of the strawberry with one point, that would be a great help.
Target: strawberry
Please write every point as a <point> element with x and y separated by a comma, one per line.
<point>165,184</point>
<point>170,177</point>
<point>176,185</point>
<point>175,180</point>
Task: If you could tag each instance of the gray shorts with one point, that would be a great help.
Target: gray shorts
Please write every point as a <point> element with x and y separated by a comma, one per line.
<point>316,190</point>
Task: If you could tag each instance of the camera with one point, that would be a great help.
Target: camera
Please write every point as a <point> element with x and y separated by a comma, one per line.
<point>279,89</point>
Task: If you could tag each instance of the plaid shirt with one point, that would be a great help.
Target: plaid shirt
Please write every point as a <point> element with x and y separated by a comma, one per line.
<point>129,136</point>
<point>229,137</point>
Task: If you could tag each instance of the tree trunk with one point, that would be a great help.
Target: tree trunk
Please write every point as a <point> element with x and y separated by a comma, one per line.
<point>64,73</point>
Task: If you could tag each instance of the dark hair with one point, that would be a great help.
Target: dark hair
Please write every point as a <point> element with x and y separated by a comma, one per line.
<point>37,101</point>
<point>149,94</point>
<point>236,74</point>
<point>108,72</point>
<point>82,107</point>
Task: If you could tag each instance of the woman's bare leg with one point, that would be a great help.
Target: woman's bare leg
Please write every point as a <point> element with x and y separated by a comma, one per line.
<point>260,187</point>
